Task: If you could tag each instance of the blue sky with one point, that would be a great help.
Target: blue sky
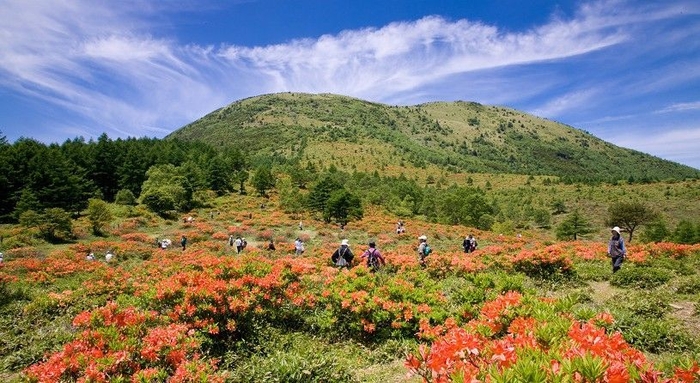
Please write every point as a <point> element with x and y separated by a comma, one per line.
<point>625,71</point>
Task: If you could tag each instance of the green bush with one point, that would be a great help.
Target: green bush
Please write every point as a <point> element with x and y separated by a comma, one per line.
<point>643,304</point>
<point>592,271</point>
<point>658,335</point>
<point>681,266</point>
<point>688,285</point>
<point>295,358</point>
<point>640,277</point>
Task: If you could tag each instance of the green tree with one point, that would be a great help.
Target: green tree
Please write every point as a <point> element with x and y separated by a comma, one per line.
<point>54,224</point>
<point>656,231</point>
<point>193,180</point>
<point>125,197</point>
<point>558,207</point>
<point>27,201</point>
<point>542,218</point>
<point>98,214</point>
<point>163,191</point>
<point>342,206</point>
<point>220,175</point>
<point>104,167</point>
<point>321,192</point>
<point>573,226</point>
<point>685,233</point>
<point>263,180</point>
<point>630,215</point>
<point>301,176</point>
<point>292,201</point>
<point>241,177</point>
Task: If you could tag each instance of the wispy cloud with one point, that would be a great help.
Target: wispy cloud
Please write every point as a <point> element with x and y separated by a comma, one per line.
<point>678,144</point>
<point>111,67</point>
<point>681,107</point>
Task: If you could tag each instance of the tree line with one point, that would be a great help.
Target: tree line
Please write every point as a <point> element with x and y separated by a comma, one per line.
<point>36,176</point>
<point>45,185</point>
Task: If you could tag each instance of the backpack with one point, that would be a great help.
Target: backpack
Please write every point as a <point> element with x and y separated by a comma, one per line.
<point>373,260</point>
<point>340,259</point>
<point>427,250</point>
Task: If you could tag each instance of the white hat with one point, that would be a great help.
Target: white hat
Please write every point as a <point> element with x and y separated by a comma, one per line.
<point>423,237</point>
<point>344,242</point>
<point>617,229</point>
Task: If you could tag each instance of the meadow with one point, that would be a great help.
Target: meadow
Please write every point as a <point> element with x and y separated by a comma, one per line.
<point>519,308</point>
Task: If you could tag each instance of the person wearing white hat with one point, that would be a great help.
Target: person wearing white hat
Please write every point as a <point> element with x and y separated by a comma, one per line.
<point>342,257</point>
<point>616,249</point>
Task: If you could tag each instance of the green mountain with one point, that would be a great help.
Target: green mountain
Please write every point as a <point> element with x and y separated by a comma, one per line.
<point>449,136</point>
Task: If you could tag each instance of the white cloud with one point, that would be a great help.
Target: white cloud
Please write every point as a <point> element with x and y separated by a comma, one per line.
<point>679,145</point>
<point>101,62</point>
<point>558,105</point>
<point>681,107</point>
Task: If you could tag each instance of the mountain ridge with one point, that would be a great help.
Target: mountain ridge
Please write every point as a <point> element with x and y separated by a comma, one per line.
<point>456,136</point>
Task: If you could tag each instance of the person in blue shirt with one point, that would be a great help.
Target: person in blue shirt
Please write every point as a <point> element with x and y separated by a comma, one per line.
<point>616,249</point>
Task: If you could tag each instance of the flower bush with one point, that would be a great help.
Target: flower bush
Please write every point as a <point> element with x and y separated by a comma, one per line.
<point>204,314</point>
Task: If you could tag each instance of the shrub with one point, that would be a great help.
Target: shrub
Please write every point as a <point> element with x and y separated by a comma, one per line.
<point>640,277</point>
<point>592,271</point>
<point>125,197</point>
<point>657,336</point>
<point>548,264</point>
<point>688,285</point>
<point>297,358</point>
<point>644,304</point>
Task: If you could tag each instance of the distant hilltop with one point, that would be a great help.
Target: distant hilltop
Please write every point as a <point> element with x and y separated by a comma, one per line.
<point>458,137</point>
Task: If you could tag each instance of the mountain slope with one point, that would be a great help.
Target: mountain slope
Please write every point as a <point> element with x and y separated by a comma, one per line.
<point>454,136</point>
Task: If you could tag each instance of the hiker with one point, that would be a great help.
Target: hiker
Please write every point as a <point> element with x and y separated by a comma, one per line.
<point>183,242</point>
<point>90,256</point>
<point>467,244</point>
<point>616,249</point>
<point>298,246</point>
<point>423,250</point>
<point>165,243</point>
<point>271,246</point>
<point>400,229</point>
<point>244,243</point>
<point>374,258</point>
<point>301,226</point>
<point>230,240</point>
<point>473,241</point>
<point>109,256</point>
<point>2,257</point>
<point>239,245</point>
<point>342,256</point>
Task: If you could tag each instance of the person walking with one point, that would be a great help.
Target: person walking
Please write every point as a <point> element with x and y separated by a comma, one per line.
<point>374,258</point>
<point>423,249</point>
<point>342,256</point>
<point>239,245</point>
<point>467,245</point>
<point>183,242</point>
<point>298,246</point>
<point>616,249</point>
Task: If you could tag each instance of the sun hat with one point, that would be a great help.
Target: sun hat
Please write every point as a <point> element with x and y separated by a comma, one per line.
<point>617,229</point>
<point>423,237</point>
<point>344,242</point>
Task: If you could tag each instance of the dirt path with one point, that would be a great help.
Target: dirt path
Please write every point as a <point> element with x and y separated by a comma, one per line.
<point>603,291</point>
<point>685,313</point>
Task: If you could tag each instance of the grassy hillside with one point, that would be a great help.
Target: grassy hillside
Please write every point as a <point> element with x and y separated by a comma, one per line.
<point>457,137</point>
